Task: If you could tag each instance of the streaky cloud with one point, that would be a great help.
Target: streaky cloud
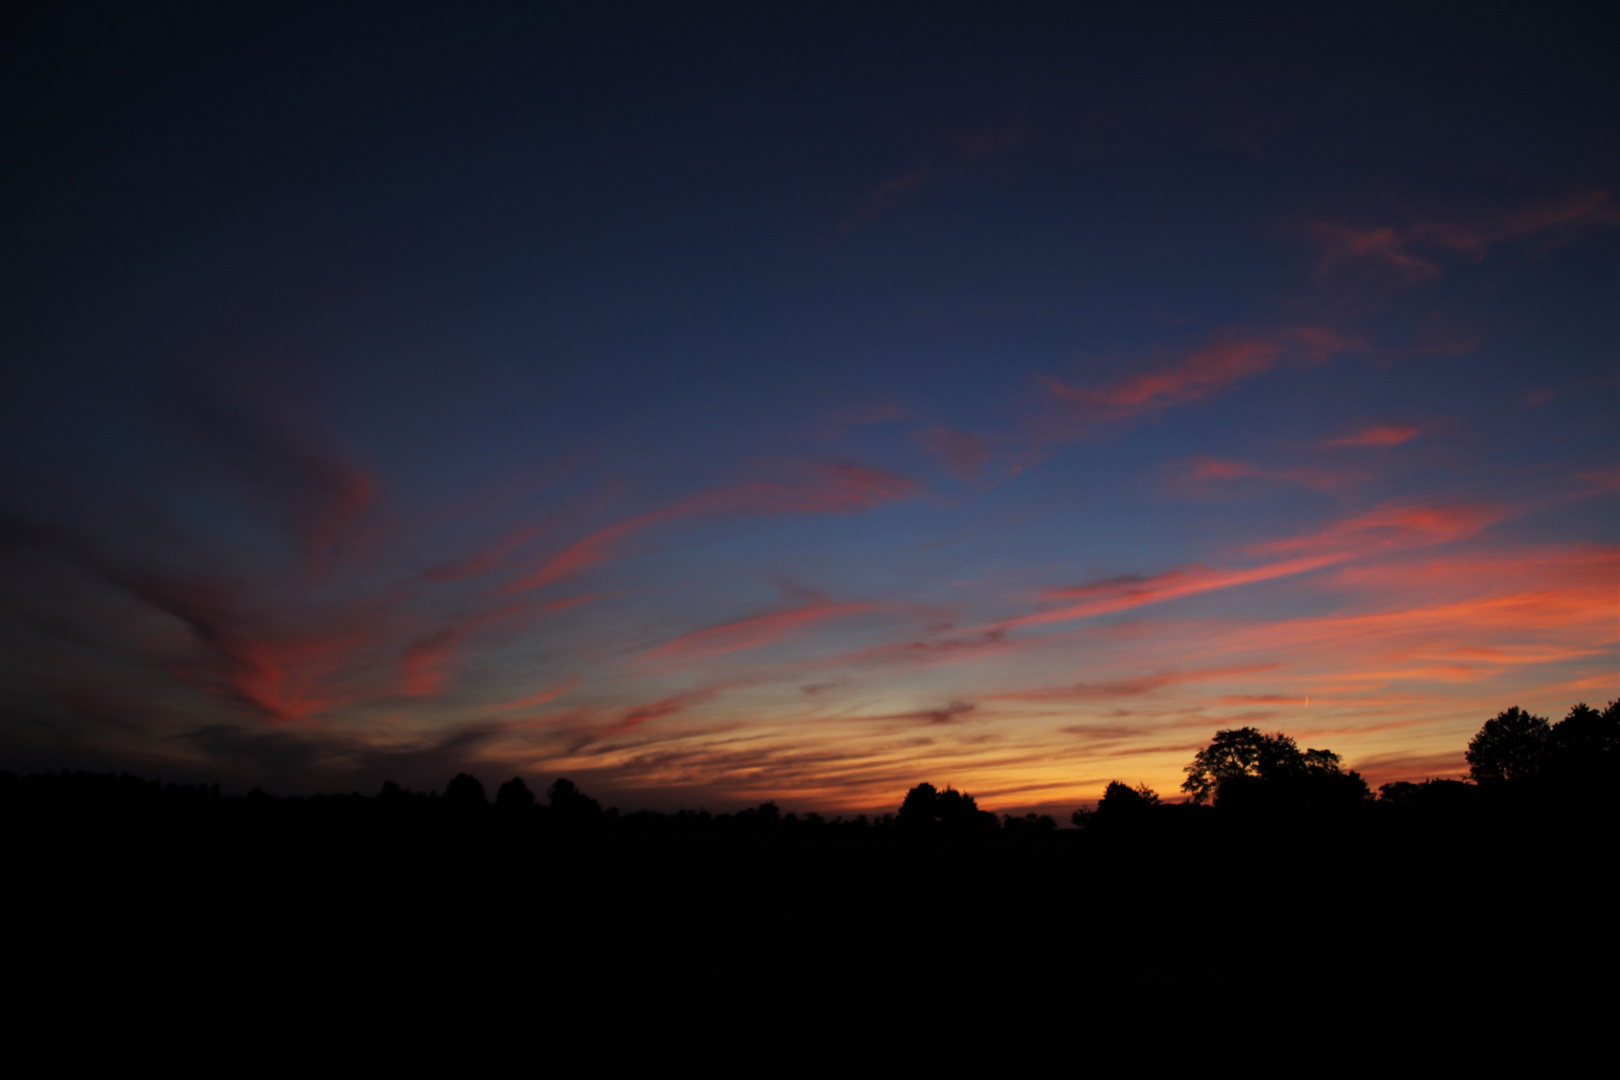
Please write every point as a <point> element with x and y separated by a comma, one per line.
<point>756,632</point>
<point>830,488</point>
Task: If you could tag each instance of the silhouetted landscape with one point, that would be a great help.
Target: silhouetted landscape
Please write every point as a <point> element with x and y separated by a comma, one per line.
<point>1278,864</point>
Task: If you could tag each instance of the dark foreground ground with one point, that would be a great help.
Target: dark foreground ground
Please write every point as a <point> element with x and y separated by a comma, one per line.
<point>116,897</point>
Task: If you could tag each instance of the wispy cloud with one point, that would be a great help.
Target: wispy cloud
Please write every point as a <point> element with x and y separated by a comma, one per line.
<point>324,498</point>
<point>893,192</point>
<point>1391,526</point>
<point>425,662</point>
<point>1124,593</point>
<point>482,562</point>
<point>1385,247</point>
<point>1394,527</point>
<point>1118,688</point>
<point>756,632</point>
<point>1407,254</point>
<point>950,712</point>
<point>1376,435</point>
<point>1197,374</point>
<point>961,453</point>
<point>548,694</point>
<point>1202,474</point>
<point>630,719</point>
<point>945,151</point>
<point>829,488</point>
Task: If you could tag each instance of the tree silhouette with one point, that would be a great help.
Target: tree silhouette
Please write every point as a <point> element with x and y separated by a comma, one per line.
<point>571,805</point>
<point>1029,823</point>
<point>1510,747</point>
<point>465,791</point>
<point>1246,769</point>
<point>1243,752</point>
<point>917,809</point>
<point>1121,804</point>
<point>514,795</point>
<point>926,807</point>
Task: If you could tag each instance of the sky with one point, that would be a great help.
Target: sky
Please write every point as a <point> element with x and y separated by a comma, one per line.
<point>720,403</point>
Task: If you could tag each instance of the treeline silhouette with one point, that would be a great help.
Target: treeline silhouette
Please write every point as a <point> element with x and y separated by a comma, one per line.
<point>1519,763</point>
<point>1279,869</point>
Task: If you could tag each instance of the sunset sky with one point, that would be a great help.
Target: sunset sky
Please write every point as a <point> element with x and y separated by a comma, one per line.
<point>710,405</point>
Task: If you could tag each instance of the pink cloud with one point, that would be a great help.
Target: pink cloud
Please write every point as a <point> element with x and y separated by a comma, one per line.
<point>1125,593</point>
<point>284,678</point>
<point>1576,211</point>
<point>1199,373</point>
<point>886,196</point>
<point>1128,687</point>
<point>831,487</point>
<point>1459,620</point>
<point>584,554</point>
<point>867,413</point>
<point>1201,473</point>
<point>1207,468</point>
<point>1602,481</point>
<point>756,632</point>
<point>963,455</point>
<point>423,663</point>
<point>634,717</point>
<point>550,694</point>
<point>1386,246</point>
<point>1379,435</point>
<point>974,645</point>
<point>284,674</point>
<point>486,560</point>
<point>283,471</point>
<point>348,493</point>
<point>1394,249</point>
<point>1390,527</point>
<point>946,149</point>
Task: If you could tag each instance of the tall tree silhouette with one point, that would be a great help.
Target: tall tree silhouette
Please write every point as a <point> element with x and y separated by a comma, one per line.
<point>1121,804</point>
<point>465,790</point>
<point>927,808</point>
<point>1511,746</point>
<point>1244,768</point>
<point>571,805</point>
<point>514,795</point>
<point>1245,752</point>
<point>1584,747</point>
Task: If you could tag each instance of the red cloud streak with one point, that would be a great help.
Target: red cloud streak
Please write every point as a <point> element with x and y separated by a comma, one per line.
<point>1199,373</point>
<point>545,695</point>
<point>1394,248</point>
<point>423,663</point>
<point>754,633</point>
<point>834,488</point>
<point>1122,594</point>
<point>1377,435</point>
